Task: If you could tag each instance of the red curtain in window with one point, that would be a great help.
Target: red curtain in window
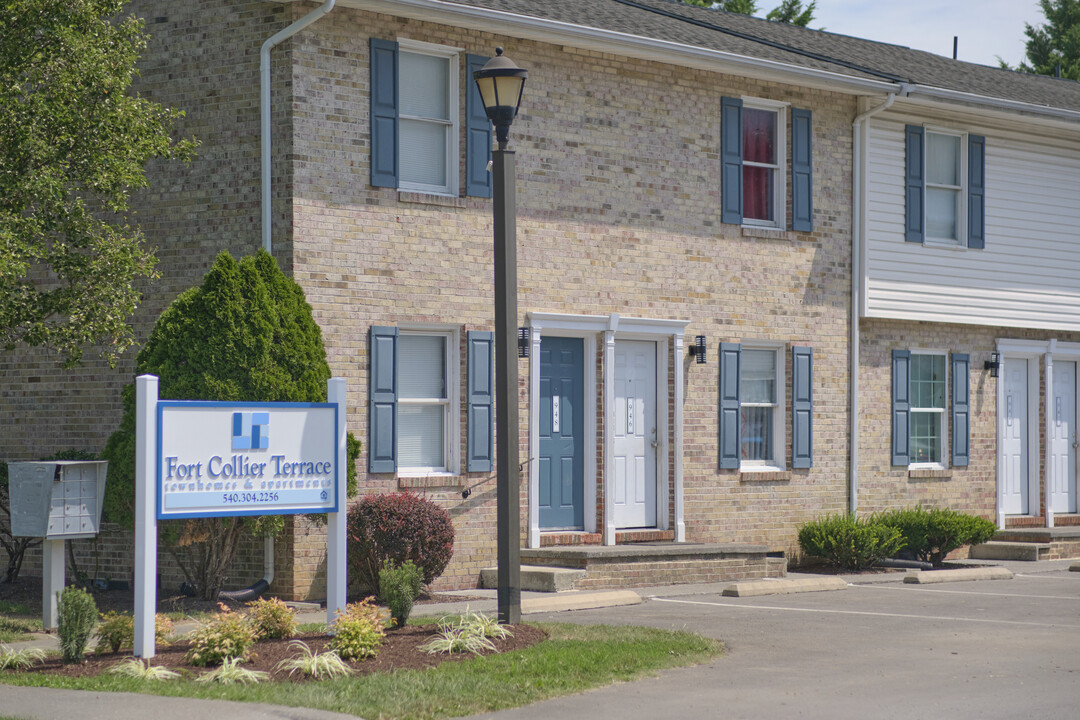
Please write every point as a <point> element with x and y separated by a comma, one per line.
<point>759,146</point>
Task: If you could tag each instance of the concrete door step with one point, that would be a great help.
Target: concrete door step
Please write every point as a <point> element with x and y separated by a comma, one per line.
<point>999,550</point>
<point>536,578</point>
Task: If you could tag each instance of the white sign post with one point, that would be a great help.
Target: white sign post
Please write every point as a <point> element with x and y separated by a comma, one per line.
<point>198,459</point>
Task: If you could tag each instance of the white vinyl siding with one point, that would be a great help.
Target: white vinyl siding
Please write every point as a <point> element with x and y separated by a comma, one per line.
<point>1028,275</point>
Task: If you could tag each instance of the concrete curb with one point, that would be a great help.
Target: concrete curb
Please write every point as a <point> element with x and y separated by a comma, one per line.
<point>754,588</point>
<point>923,577</point>
<point>580,601</point>
<point>1075,567</point>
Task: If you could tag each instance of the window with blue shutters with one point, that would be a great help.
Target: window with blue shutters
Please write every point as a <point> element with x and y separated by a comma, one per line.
<point>924,408</point>
<point>416,117</point>
<point>754,164</point>
<point>944,187</point>
<point>481,401</point>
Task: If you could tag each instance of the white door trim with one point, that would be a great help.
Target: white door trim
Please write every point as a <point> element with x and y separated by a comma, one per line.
<point>664,333</point>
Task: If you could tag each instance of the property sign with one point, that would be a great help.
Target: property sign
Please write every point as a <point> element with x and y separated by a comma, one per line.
<point>223,459</point>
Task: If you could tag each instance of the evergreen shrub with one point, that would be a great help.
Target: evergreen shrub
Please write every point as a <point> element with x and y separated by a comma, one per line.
<point>849,542</point>
<point>399,586</point>
<point>76,615</point>
<point>932,534</point>
<point>395,527</point>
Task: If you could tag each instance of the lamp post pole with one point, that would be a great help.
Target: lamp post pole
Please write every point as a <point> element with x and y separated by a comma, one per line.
<point>506,388</point>
<point>500,83</point>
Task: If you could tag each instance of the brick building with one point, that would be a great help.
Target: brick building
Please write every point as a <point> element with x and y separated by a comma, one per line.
<point>681,172</point>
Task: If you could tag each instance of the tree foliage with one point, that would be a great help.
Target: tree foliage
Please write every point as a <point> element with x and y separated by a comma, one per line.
<point>245,334</point>
<point>791,12</point>
<point>1056,43</point>
<point>74,142</point>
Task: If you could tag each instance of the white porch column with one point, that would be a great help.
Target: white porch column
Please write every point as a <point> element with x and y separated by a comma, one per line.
<point>1048,421</point>
<point>146,540</point>
<point>533,534</point>
<point>677,446</point>
<point>609,436</point>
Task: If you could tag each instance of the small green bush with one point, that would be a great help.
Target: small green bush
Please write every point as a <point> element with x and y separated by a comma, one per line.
<point>272,619</point>
<point>396,527</point>
<point>359,631</point>
<point>116,631</point>
<point>77,613</point>
<point>399,586</point>
<point>932,534</point>
<point>228,635</point>
<point>849,542</point>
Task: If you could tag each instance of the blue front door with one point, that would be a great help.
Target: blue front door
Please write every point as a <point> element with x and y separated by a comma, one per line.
<point>562,415</point>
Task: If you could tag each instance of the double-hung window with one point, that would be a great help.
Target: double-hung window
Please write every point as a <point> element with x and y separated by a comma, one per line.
<point>428,117</point>
<point>424,402</point>
<point>944,187</point>
<point>761,429</point>
<point>927,407</point>
<point>755,164</point>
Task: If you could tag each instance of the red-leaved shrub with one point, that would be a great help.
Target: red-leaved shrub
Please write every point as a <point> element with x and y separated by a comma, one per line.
<point>398,527</point>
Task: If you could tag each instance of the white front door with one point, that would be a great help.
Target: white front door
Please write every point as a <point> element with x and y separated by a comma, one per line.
<point>635,434</point>
<point>1063,439</point>
<point>1014,439</point>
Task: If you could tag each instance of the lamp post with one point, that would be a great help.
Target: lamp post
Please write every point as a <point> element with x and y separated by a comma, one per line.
<point>500,83</point>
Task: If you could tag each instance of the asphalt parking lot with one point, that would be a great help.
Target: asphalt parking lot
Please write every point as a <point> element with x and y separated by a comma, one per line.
<point>988,649</point>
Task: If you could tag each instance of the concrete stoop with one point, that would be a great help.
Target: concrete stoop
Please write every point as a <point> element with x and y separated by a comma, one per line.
<point>600,567</point>
<point>1031,544</point>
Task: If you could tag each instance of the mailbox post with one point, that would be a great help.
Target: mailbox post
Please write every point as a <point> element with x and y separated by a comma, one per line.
<point>56,500</point>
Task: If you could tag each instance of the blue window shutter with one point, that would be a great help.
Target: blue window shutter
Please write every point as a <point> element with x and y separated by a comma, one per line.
<point>730,369</point>
<point>477,134</point>
<point>976,192</point>
<point>384,113</point>
<point>961,410</point>
<point>731,187</point>
<point>481,390</point>
<point>901,407</point>
<point>382,400</point>
<point>914,183</point>
<point>802,170</point>
<point>802,410</point>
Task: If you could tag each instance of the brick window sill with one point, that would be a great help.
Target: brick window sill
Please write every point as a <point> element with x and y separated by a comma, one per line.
<point>430,199</point>
<point>930,474</point>
<point>765,476</point>
<point>429,482</point>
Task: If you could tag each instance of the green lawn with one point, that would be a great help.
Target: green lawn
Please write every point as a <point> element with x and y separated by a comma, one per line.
<point>574,658</point>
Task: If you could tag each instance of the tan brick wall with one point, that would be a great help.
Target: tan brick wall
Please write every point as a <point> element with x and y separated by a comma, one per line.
<point>618,196</point>
<point>971,489</point>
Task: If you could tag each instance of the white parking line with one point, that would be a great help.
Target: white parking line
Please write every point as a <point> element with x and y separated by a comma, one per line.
<point>946,618</point>
<point>971,592</point>
<point>1048,577</point>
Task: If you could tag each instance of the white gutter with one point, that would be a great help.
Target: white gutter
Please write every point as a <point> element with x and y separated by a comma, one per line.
<point>264,109</point>
<point>858,232</point>
<point>992,102</point>
<point>600,40</point>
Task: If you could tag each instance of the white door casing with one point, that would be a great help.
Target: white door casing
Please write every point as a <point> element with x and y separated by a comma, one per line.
<point>1062,437</point>
<point>1014,437</point>
<point>635,434</point>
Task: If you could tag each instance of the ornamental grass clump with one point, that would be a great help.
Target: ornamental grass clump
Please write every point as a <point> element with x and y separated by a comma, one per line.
<point>116,631</point>
<point>469,632</point>
<point>228,635</point>
<point>134,668</point>
<point>359,630</point>
<point>272,619</point>
<point>11,659</point>
<point>314,664</point>
<point>848,542</point>
<point>77,612</point>
<point>230,673</point>
<point>399,586</point>
<point>932,534</point>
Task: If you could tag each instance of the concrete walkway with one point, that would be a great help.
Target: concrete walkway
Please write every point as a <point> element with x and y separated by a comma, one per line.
<point>48,703</point>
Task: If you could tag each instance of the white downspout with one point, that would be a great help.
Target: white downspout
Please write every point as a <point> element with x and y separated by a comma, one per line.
<point>264,109</point>
<point>858,230</point>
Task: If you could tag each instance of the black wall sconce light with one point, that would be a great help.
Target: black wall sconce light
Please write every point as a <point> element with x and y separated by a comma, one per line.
<point>697,350</point>
<point>993,364</point>
<point>523,342</point>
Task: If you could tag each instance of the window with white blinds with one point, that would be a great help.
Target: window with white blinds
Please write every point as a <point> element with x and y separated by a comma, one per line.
<point>428,111</point>
<point>423,402</point>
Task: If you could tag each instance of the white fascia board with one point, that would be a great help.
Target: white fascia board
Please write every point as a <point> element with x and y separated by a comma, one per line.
<point>1008,111</point>
<point>599,40</point>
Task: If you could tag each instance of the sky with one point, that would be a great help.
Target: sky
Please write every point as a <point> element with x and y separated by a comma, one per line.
<point>986,28</point>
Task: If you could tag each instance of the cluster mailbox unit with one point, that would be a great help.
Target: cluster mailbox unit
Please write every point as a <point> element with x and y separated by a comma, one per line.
<point>56,500</point>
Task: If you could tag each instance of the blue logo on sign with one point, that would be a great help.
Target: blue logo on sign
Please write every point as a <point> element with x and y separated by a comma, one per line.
<point>251,431</point>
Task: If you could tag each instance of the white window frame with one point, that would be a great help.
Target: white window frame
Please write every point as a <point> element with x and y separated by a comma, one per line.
<point>780,168</point>
<point>961,190</point>
<point>453,169</point>
<point>943,412</point>
<point>776,462</point>
<point>451,403</point>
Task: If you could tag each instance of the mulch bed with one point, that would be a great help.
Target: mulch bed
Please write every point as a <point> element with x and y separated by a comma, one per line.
<point>399,651</point>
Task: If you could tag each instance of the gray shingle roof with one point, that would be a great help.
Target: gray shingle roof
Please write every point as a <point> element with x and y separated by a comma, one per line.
<point>673,21</point>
